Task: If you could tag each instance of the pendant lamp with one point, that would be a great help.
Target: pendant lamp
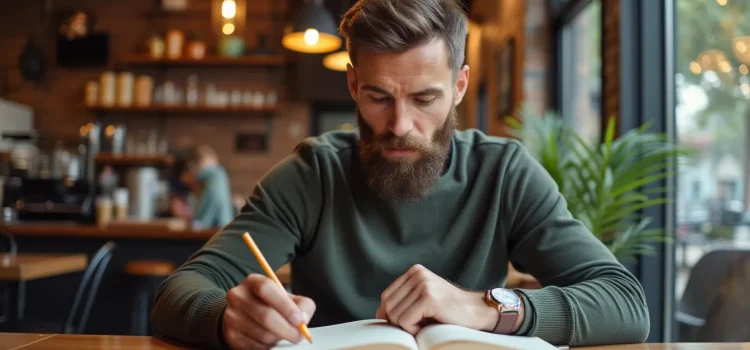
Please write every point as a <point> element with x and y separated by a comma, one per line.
<point>337,61</point>
<point>314,30</point>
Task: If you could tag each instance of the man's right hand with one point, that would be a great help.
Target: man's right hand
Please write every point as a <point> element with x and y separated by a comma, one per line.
<point>259,314</point>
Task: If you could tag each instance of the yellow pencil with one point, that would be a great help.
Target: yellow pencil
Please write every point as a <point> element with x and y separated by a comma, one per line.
<point>269,272</point>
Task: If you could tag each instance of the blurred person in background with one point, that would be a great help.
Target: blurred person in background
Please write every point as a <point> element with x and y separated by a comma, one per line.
<point>202,176</point>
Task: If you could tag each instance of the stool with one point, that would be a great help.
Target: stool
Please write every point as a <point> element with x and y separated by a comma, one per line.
<point>146,274</point>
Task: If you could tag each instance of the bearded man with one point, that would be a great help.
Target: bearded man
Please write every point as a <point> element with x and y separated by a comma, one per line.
<point>406,219</point>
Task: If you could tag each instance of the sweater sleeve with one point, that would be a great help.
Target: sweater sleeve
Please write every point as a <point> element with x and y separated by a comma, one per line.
<point>280,215</point>
<point>588,297</point>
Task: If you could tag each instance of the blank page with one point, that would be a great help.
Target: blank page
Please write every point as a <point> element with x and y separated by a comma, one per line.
<point>366,334</point>
<point>448,337</point>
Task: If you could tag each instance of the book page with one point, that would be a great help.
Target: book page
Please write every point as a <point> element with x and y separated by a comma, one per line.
<point>360,335</point>
<point>449,337</point>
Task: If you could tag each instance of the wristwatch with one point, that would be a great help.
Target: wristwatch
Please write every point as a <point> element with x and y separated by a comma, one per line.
<point>508,303</point>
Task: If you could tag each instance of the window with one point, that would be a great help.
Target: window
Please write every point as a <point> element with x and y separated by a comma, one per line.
<point>712,117</point>
<point>581,78</point>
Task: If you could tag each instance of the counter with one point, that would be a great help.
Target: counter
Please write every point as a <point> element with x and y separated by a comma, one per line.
<point>49,299</point>
<point>93,231</point>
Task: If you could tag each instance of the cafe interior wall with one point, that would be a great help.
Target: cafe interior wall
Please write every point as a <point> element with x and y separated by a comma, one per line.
<point>58,105</point>
<point>494,24</point>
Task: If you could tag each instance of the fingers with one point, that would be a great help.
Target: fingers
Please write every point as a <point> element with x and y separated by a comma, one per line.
<point>397,297</point>
<point>267,307</point>
<point>400,289</point>
<point>406,302</point>
<point>395,315</point>
<point>269,292</point>
<point>380,314</point>
<point>400,281</point>
<point>249,329</point>
<point>306,305</point>
<point>411,319</point>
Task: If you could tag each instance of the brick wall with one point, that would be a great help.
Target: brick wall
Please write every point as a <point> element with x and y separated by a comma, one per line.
<point>58,101</point>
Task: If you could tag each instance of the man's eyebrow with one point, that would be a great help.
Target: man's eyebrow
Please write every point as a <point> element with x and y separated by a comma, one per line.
<point>375,89</point>
<point>434,91</point>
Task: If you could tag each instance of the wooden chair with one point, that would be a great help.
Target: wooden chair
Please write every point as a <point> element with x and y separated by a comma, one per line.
<point>146,275</point>
<point>7,245</point>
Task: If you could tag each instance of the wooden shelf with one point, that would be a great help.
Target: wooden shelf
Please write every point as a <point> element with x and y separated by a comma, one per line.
<point>186,109</point>
<point>134,159</point>
<point>255,60</point>
<point>62,230</point>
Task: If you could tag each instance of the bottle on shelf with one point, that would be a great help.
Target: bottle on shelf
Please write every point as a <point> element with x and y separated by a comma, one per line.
<point>125,87</point>
<point>191,96</point>
<point>174,44</point>
<point>144,91</point>
<point>107,89</point>
<point>91,93</point>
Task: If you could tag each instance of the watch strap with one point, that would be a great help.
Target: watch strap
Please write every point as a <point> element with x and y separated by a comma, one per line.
<point>506,322</point>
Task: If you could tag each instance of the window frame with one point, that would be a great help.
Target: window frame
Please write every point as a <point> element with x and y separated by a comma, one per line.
<point>563,13</point>
<point>646,90</point>
<point>646,84</point>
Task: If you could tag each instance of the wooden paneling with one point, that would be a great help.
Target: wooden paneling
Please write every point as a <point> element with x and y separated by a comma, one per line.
<point>501,22</point>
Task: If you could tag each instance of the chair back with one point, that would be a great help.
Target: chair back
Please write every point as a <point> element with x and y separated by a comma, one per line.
<point>86,293</point>
<point>704,289</point>
<point>8,244</point>
<point>727,318</point>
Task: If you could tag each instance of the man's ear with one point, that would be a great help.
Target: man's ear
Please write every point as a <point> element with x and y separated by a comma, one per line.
<point>351,80</point>
<point>462,83</point>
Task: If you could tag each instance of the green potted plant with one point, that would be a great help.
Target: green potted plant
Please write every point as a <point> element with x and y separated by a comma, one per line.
<point>606,184</point>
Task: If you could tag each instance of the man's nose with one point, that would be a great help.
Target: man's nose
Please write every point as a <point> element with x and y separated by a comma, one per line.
<point>402,121</point>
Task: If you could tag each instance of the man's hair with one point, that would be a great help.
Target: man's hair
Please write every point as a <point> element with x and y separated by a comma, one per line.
<point>398,25</point>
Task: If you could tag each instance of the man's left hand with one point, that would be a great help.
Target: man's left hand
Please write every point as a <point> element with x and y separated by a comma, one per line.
<point>420,296</point>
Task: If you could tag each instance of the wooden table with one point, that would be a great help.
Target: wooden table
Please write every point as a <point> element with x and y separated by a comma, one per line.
<point>23,341</point>
<point>31,266</point>
<point>16,270</point>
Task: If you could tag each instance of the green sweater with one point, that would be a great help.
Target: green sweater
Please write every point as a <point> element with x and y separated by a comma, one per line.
<point>493,204</point>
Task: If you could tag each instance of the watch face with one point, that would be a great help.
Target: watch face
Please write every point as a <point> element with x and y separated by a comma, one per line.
<point>505,297</point>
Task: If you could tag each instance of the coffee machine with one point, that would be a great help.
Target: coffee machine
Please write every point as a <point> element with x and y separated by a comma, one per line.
<point>65,194</point>
<point>29,199</point>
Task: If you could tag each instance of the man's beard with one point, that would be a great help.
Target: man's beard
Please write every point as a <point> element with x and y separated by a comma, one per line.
<point>402,179</point>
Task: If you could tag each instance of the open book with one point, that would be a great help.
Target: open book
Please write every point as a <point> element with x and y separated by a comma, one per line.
<point>380,335</point>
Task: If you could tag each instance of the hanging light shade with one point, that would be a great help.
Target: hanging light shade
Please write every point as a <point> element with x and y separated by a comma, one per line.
<point>314,31</point>
<point>337,61</point>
